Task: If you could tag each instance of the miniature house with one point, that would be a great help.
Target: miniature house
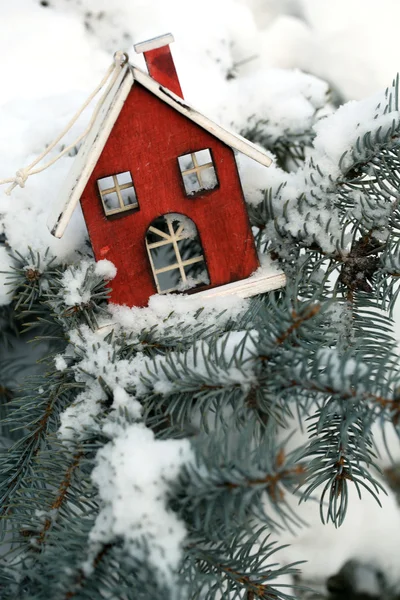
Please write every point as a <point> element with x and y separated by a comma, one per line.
<point>160,190</point>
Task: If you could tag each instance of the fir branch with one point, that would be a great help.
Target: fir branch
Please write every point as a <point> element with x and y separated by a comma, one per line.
<point>298,319</point>
<point>270,482</point>
<point>39,415</point>
<point>61,495</point>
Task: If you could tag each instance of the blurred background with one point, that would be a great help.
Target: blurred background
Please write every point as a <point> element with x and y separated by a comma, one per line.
<point>350,43</point>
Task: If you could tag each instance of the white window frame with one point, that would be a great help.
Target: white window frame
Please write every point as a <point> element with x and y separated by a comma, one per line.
<point>172,237</point>
<point>117,189</point>
<point>197,169</point>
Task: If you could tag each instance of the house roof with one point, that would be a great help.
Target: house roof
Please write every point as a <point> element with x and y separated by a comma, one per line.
<point>96,139</point>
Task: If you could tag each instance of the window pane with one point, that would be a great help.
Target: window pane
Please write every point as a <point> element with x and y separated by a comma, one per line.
<point>192,184</point>
<point>111,201</point>
<point>197,274</point>
<point>169,280</point>
<point>163,256</point>
<point>116,199</point>
<point>170,254</point>
<point>202,177</point>
<point>106,183</point>
<point>161,225</point>
<point>185,162</point>
<point>128,196</point>
<point>203,157</point>
<point>208,179</point>
<point>189,248</point>
<point>124,178</point>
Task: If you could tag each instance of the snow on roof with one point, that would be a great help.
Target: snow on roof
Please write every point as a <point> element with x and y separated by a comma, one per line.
<point>96,139</point>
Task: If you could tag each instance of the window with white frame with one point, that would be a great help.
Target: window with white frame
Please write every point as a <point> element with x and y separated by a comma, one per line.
<point>198,172</point>
<point>175,254</point>
<point>117,193</point>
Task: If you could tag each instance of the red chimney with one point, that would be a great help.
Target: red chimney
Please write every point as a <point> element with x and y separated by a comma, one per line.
<point>160,63</point>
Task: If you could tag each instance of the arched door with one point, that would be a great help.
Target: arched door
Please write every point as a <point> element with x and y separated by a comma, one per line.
<point>175,254</point>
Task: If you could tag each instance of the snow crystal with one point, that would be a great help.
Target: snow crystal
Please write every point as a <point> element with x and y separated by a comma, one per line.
<point>117,376</point>
<point>285,43</point>
<point>124,400</point>
<point>191,281</point>
<point>81,413</point>
<point>43,515</point>
<point>73,284</point>
<point>340,315</point>
<point>133,473</point>
<point>75,280</point>
<point>105,269</point>
<point>60,363</point>
<point>267,266</point>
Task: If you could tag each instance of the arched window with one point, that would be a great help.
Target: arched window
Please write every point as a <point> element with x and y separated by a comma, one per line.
<point>175,254</point>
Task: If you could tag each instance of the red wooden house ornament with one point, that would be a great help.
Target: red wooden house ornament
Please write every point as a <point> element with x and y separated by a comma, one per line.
<point>160,191</point>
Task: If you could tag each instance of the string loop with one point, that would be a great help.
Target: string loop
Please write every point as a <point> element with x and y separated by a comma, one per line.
<point>21,176</point>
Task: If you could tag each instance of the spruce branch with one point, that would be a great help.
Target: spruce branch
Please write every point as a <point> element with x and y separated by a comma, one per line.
<point>61,497</point>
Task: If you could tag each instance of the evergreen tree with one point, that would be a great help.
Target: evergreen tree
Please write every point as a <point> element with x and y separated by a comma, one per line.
<point>149,460</point>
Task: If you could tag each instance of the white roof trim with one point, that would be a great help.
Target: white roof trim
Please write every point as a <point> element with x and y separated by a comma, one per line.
<point>89,153</point>
<point>154,43</point>
<point>228,137</point>
<point>96,139</point>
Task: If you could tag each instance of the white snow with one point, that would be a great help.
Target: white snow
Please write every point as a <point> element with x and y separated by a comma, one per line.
<point>178,221</point>
<point>339,132</point>
<point>81,414</point>
<point>60,362</point>
<point>234,348</point>
<point>117,376</point>
<point>344,53</point>
<point>167,311</point>
<point>133,473</point>
<point>285,100</point>
<point>73,284</point>
<point>77,279</point>
<point>105,269</point>
<point>369,534</point>
<point>124,400</point>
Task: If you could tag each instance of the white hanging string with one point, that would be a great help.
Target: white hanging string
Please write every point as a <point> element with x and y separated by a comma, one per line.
<point>120,59</point>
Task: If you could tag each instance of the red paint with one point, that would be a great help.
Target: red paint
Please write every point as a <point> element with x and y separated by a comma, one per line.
<point>161,67</point>
<point>146,140</point>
